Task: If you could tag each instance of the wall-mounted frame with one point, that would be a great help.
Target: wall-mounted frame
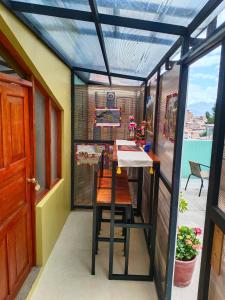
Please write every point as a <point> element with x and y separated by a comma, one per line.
<point>150,114</point>
<point>171,116</point>
<point>107,117</point>
<point>88,154</point>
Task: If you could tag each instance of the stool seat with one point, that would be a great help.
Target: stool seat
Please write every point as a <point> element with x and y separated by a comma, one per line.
<point>104,182</point>
<point>122,196</point>
<point>104,191</point>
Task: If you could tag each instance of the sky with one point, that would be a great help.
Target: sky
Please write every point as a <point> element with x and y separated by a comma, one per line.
<point>203,78</point>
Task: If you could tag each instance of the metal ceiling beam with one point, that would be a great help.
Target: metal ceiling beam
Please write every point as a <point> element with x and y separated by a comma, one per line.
<point>210,6</point>
<point>102,18</point>
<point>142,24</point>
<point>80,69</point>
<point>98,27</point>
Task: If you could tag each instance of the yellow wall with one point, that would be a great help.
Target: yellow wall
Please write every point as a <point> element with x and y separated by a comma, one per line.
<point>53,210</point>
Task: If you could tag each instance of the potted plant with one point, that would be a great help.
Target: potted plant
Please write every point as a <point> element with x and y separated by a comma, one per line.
<point>187,249</point>
<point>183,203</point>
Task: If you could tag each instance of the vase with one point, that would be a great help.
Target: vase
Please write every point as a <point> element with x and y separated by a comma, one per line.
<point>183,272</point>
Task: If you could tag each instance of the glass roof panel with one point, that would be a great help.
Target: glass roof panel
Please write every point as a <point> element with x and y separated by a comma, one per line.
<point>219,11</point>
<point>97,78</point>
<point>166,11</point>
<point>124,81</point>
<point>135,52</point>
<point>72,4</point>
<point>76,40</point>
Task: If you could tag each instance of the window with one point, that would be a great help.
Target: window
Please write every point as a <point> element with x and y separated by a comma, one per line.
<point>40,139</point>
<point>48,141</point>
<point>55,143</point>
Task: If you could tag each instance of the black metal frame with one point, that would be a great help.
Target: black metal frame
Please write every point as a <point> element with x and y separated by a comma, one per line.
<point>73,143</point>
<point>95,14</point>
<point>17,8</point>
<point>213,214</point>
<point>183,81</point>
<point>72,139</point>
<point>150,227</point>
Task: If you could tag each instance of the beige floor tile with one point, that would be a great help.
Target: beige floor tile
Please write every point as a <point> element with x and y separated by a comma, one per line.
<point>67,272</point>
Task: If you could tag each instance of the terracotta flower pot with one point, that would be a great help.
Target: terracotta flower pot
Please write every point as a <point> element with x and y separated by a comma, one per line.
<point>183,272</point>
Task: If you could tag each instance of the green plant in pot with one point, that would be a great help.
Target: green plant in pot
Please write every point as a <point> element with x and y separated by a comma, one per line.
<point>187,249</point>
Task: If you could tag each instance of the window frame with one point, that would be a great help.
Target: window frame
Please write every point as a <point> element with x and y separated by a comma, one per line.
<point>49,103</point>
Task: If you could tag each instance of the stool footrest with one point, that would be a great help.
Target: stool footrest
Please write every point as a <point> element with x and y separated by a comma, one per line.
<point>107,239</point>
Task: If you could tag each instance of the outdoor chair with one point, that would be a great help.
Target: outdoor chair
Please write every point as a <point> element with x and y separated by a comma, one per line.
<point>198,172</point>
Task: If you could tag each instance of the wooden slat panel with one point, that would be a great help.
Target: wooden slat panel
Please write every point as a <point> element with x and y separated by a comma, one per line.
<point>217,250</point>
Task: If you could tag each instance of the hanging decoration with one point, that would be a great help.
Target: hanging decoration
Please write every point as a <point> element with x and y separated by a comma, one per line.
<point>132,127</point>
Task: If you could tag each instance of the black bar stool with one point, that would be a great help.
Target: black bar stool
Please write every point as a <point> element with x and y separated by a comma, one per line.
<point>102,191</point>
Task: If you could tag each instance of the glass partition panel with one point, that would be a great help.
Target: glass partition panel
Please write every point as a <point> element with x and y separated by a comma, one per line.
<point>217,13</point>
<point>72,38</point>
<point>196,153</point>
<point>168,102</point>
<point>174,11</point>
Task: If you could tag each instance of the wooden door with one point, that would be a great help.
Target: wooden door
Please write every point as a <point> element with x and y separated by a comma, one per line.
<point>15,191</point>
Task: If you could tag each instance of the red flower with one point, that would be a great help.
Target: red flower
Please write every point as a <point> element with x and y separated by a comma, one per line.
<point>197,247</point>
<point>197,230</point>
<point>188,242</point>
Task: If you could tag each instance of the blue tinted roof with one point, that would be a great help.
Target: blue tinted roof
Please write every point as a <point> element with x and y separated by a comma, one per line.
<point>128,51</point>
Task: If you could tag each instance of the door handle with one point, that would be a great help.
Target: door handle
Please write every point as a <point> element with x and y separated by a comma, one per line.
<point>31,180</point>
<point>34,181</point>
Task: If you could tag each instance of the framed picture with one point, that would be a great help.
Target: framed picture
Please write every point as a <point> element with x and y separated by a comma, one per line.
<point>171,117</point>
<point>150,115</point>
<point>107,117</point>
<point>88,153</point>
<point>110,99</point>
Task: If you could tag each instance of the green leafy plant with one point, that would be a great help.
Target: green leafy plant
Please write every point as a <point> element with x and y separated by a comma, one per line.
<point>188,244</point>
<point>183,204</point>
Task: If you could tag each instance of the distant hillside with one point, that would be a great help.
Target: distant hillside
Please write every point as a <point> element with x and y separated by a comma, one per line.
<point>200,108</point>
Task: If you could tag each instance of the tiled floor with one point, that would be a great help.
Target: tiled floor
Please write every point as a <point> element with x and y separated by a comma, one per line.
<point>194,217</point>
<point>67,273</point>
